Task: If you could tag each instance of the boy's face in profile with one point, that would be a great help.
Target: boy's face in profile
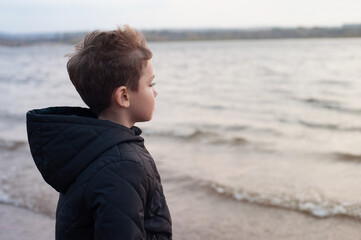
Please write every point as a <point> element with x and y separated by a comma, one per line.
<point>142,101</point>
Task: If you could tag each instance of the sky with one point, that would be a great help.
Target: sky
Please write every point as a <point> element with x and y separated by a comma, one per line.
<point>38,16</point>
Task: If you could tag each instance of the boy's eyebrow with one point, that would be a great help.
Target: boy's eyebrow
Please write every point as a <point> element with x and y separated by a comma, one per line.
<point>152,77</point>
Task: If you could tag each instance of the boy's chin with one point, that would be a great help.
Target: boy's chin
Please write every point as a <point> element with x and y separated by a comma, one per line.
<point>146,119</point>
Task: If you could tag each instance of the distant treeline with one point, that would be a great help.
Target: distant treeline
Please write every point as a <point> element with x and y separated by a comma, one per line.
<point>31,39</point>
<point>346,31</point>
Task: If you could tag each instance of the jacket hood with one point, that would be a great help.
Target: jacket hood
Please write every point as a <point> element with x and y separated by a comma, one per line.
<point>65,140</point>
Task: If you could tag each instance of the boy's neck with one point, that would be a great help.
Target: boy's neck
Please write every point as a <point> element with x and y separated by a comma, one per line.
<point>117,117</point>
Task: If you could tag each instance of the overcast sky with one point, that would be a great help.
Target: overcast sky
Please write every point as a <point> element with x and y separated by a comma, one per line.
<point>30,16</point>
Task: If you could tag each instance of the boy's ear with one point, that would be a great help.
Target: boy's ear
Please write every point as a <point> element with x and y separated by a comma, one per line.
<point>121,96</point>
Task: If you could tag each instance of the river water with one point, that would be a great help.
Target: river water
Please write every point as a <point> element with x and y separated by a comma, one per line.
<point>271,122</point>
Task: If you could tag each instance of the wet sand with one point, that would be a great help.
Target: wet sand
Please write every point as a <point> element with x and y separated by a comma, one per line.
<point>20,223</point>
<point>203,214</point>
<point>198,211</point>
<point>207,215</point>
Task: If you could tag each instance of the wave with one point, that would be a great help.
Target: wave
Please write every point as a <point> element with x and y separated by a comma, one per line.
<point>23,202</point>
<point>236,128</point>
<point>16,79</point>
<point>11,145</point>
<point>323,103</point>
<point>5,198</point>
<point>10,118</point>
<point>329,105</point>
<point>186,134</point>
<point>332,82</point>
<point>198,135</point>
<point>348,157</point>
<point>210,106</point>
<point>328,126</point>
<point>315,205</point>
<point>319,125</point>
<point>235,141</point>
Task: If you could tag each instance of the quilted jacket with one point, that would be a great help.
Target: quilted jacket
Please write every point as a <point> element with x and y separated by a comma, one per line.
<point>108,183</point>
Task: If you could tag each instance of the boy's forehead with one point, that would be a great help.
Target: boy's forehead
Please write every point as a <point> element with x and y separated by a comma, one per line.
<point>147,72</point>
<point>150,63</point>
<point>149,68</point>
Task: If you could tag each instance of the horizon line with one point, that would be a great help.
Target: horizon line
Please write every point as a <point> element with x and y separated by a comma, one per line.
<point>185,29</point>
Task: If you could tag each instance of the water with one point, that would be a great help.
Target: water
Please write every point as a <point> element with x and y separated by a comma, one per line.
<point>272,122</point>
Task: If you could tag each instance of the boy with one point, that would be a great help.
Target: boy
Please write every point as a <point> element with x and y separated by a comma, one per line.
<point>108,183</point>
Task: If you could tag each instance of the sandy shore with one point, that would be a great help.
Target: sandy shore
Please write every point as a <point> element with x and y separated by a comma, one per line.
<point>211,216</point>
<point>19,223</point>
<point>203,215</point>
<point>198,212</point>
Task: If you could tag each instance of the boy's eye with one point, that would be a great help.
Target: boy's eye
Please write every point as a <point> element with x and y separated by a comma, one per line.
<point>152,84</point>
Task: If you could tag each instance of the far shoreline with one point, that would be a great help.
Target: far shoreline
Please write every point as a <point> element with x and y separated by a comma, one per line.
<point>172,35</point>
<point>52,43</point>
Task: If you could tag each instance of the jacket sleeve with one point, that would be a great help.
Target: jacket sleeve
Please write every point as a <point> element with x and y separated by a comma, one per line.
<point>116,197</point>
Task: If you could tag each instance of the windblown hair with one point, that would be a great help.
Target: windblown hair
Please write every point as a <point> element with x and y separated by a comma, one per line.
<point>106,60</point>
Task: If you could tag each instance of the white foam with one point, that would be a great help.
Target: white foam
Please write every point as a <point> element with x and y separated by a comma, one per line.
<point>320,212</point>
<point>317,206</point>
<point>220,190</point>
<point>4,198</point>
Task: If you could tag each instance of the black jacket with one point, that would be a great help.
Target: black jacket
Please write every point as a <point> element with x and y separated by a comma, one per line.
<point>109,185</point>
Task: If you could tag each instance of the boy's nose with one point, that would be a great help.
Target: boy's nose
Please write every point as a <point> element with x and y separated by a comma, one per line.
<point>155,93</point>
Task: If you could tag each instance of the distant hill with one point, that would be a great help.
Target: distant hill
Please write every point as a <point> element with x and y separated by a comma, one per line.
<point>345,31</point>
<point>31,39</point>
<point>265,33</point>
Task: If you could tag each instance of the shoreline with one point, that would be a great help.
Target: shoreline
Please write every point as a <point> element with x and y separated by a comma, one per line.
<point>198,212</point>
<point>202,215</point>
<point>207,215</point>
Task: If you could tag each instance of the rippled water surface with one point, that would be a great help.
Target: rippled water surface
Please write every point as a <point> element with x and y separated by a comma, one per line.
<point>274,122</point>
